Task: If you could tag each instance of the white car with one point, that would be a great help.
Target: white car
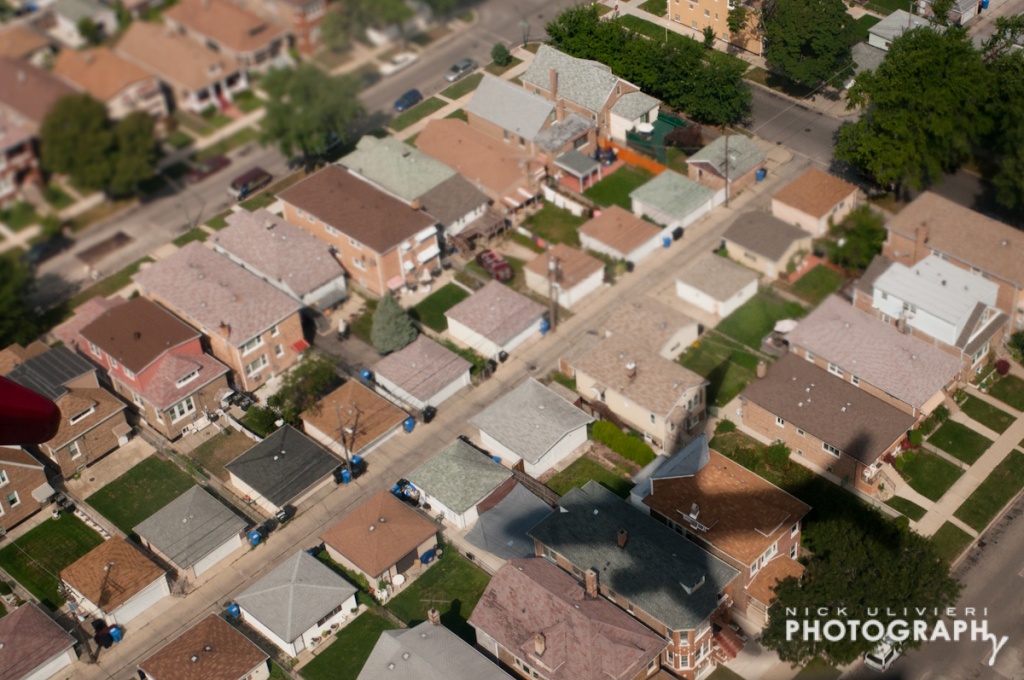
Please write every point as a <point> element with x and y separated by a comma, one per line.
<point>883,656</point>
<point>398,62</point>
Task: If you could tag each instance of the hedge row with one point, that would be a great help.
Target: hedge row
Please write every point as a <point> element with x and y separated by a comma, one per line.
<point>621,443</point>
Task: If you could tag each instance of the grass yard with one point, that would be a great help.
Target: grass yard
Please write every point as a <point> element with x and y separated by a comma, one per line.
<point>179,139</point>
<point>657,32</point>
<point>757,317</point>
<point>247,101</point>
<point>430,312</point>
<point>219,450</point>
<point>1009,389</point>
<point>723,673</point>
<point>458,114</point>
<point>994,493</point>
<point>195,234</point>
<point>928,474</point>
<point>816,669</point>
<point>416,114</point>
<point>138,493</point>
<point>35,559</point>
<point>344,658</point>
<point>193,123</point>
<point>452,585</point>
<point>19,216</point>
<point>584,470</point>
<point>817,284</point>
<point>987,414</point>
<point>463,87</point>
<point>229,144</point>
<point>778,82</point>
<point>218,222</point>
<point>724,363</point>
<point>109,285</point>
<point>98,213</point>
<point>960,441</point>
<point>56,197</point>
<point>676,160</point>
<point>950,540</point>
<point>477,361</point>
<point>908,508</point>
<point>886,7</point>
<point>616,187</point>
<point>361,326</point>
<point>328,59</point>
<point>496,70</point>
<point>656,7</point>
<point>260,200</point>
<point>862,25</point>
<point>556,225</point>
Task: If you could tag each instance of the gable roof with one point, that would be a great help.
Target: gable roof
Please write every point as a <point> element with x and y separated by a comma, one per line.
<point>459,476</point>
<point>497,312</point>
<point>483,160</point>
<point>19,457</point>
<point>76,10</point>
<point>179,60</point>
<point>717,276</point>
<point>561,132</point>
<point>762,233</point>
<point>13,133</point>
<point>674,194</point>
<point>829,408</point>
<point>284,465</point>
<point>30,639</point>
<point>20,41</point>
<point>212,649</point>
<point>163,390</point>
<point>295,595</point>
<point>620,230</point>
<point>908,368</point>
<point>70,331</point>
<point>78,400</point>
<point>212,291</point>
<point>942,289</point>
<point>744,155</point>
<point>137,333</point>
<point>581,81</point>
<point>505,518</point>
<point>815,192</point>
<point>452,200</point>
<point>355,406</point>
<point>190,527</point>
<point>632,105</point>
<point>111,573</point>
<point>511,108</point>
<point>422,368</point>
<point>427,652</point>
<point>396,167</point>
<point>378,533</point>
<point>30,91</point>
<point>49,372</point>
<point>229,24</point>
<point>574,266</point>
<point>583,638</point>
<point>895,24</point>
<point>653,570</point>
<point>98,71</point>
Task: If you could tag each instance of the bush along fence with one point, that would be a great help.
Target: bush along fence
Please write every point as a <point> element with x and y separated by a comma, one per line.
<point>630,448</point>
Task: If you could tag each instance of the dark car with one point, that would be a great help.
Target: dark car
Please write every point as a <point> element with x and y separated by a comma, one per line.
<point>41,252</point>
<point>249,183</point>
<point>461,68</point>
<point>408,100</point>
<point>206,168</point>
<point>495,265</point>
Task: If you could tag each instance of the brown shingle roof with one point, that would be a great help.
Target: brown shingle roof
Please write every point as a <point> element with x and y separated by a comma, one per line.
<point>762,588</point>
<point>422,368</point>
<point>483,160</point>
<point>77,400</point>
<point>354,403</point>
<point>28,90</point>
<point>180,61</point>
<point>108,589</point>
<point>575,265</point>
<point>19,457</point>
<point>497,312</point>
<point>210,650</point>
<point>815,192</point>
<point>13,355</point>
<point>761,233</point>
<point>163,391</point>
<point>70,331</point>
<point>98,71</point>
<point>138,332</point>
<point>21,41</point>
<point>30,638</point>
<point>374,545</point>
<point>356,209</point>
<point>226,23</point>
<point>620,230</point>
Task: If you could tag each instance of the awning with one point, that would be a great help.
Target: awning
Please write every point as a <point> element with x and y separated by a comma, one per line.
<point>396,282</point>
<point>300,345</point>
<point>785,325</point>
<point>525,194</point>
<point>428,254</point>
<point>43,492</point>
<point>508,200</point>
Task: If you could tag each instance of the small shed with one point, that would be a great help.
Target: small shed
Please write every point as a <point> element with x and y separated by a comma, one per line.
<point>115,581</point>
<point>731,159</point>
<point>716,284</point>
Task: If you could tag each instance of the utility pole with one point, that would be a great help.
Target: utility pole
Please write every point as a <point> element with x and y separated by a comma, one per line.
<point>347,435</point>
<point>554,276</point>
<point>726,168</point>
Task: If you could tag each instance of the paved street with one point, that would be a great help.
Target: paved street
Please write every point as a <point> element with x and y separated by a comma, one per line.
<point>803,130</point>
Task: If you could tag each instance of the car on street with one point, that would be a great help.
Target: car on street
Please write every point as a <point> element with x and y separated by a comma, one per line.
<point>398,62</point>
<point>460,69</point>
<point>495,265</point>
<point>248,183</point>
<point>883,656</point>
<point>408,100</point>
<point>205,168</point>
<point>43,251</point>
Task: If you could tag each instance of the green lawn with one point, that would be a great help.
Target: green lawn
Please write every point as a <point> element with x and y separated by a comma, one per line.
<point>192,123</point>
<point>360,328</point>
<point>816,669</point>
<point>219,450</point>
<point>994,493</point>
<point>138,493</point>
<point>987,414</point>
<point>430,312</point>
<point>757,317</point>
<point>886,6</point>
<point>19,216</point>
<point>416,113</point>
<point>1009,389</point>
<point>247,101</point>
<point>35,559</point>
<point>778,82</point>
<point>908,508</point>
<point>179,139</point>
<point>928,474</point>
<point>496,70</point>
<point>109,285</point>
<point>584,470</point>
<point>726,365</point>
<point>229,144</point>
<point>960,441</point>
<point>817,284</point>
<point>616,187</point>
<point>656,7</point>
<point>260,200</point>
<point>950,540</point>
<point>463,87</point>
<point>458,114</point>
<point>344,658</point>
<point>217,222</point>
<point>862,26</point>
<point>195,234</point>
<point>452,585</point>
<point>56,197</point>
<point>555,225</point>
<point>658,32</point>
<point>723,673</point>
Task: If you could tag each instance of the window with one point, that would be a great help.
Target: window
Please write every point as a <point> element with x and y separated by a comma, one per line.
<point>331,230</point>
<point>159,418</point>
<point>256,366</point>
<point>3,477</point>
<point>505,133</point>
<point>185,379</point>
<point>354,243</point>
<point>359,262</point>
<point>809,357</point>
<point>769,553</point>
<point>855,380</point>
<point>754,567</point>
<point>83,415</point>
<point>309,217</point>
<point>326,618</point>
<point>129,374</point>
<point>13,500</point>
<point>138,400</point>
<point>793,529</point>
<point>548,553</point>
<point>300,213</point>
<point>707,13</point>
<point>275,331</point>
<point>835,370</point>
<point>831,449</point>
<point>278,351</point>
<point>703,651</point>
<point>885,296</point>
<point>693,25</point>
<point>792,551</point>
<point>95,350</point>
<point>182,409</point>
<point>780,422</point>
<point>251,345</point>
<point>886,318</point>
<point>652,418</point>
<point>676,18</point>
<point>580,142</point>
<point>800,432</point>
<point>74,449</point>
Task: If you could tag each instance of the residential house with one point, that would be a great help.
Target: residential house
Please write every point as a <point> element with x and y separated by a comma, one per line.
<point>353,420</point>
<point>92,422</point>
<point>766,244</point>
<point>21,42</point>
<point>381,539</point>
<point>197,79</point>
<point>23,487</point>
<point>456,480</point>
<point>285,256</point>
<point>815,201</point>
<point>422,374</point>
<point>961,13</point>
<point>192,533</point>
<point>282,471</point>
<point>301,18</point>
<point>590,90</point>
<point>382,243</point>
<point>428,651</point>
<point>905,372</point>
<point>882,34</point>
<point>531,428</point>
<point>250,325</point>
<point>114,581</point>
<point>18,160</point>
<point>212,649</point>
<point>230,30</point>
<point>71,13</point>
<point>673,201</point>
<point>830,424</point>
<point>668,583</point>
<point>620,234</point>
<point>708,166</point>
<point>716,284</point>
<point>543,623</point>
<point>120,84</point>
<point>35,646</point>
<point>504,519</point>
<point>743,520</point>
<point>700,15</point>
<point>630,376</point>
<point>459,207</point>
<point>153,359</point>
<point>298,603</point>
<point>932,224</point>
<point>568,273</point>
<point>494,320</point>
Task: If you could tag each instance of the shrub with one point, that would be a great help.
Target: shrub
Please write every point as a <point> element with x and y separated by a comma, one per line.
<point>941,414</point>
<point>1002,367</point>
<point>621,443</point>
<point>1016,345</point>
<point>725,426</point>
<point>5,588</point>
<point>777,456</point>
<point>501,55</point>
<point>915,437</point>
<point>262,421</point>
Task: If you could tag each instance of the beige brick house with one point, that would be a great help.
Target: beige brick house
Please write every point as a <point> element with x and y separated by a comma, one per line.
<point>814,201</point>
<point>123,86</point>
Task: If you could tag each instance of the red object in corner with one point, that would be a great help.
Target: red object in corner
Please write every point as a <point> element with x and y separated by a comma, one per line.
<point>25,417</point>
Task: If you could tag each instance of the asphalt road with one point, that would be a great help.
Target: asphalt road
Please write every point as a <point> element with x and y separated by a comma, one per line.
<point>804,130</point>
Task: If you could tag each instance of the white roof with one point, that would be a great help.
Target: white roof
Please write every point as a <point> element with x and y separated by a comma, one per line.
<point>938,287</point>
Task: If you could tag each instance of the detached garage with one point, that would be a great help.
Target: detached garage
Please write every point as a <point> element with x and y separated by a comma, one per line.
<point>717,285</point>
<point>458,478</point>
<point>674,201</point>
<point>575,274</point>
<point>115,581</point>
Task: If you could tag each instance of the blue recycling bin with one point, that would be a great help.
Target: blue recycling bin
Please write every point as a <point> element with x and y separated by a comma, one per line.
<point>254,538</point>
<point>234,611</point>
<point>409,424</point>
<point>762,173</point>
<point>984,4</point>
<point>346,476</point>
<point>116,634</point>
<point>365,374</point>
<point>666,241</point>
<point>545,326</point>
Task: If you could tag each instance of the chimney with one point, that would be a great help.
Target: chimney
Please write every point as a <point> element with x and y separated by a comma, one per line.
<point>560,110</point>
<point>434,616</point>
<point>225,330</point>
<point>901,323</point>
<point>415,204</point>
<point>553,86</point>
<point>539,644</point>
<point>762,368</point>
<point>631,370</point>
<point>621,538</point>
<point>590,584</point>
<point>920,242</point>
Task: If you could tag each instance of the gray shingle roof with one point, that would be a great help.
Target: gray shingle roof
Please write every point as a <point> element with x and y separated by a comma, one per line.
<point>502,530</point>
<point>632,105</point>
<point>427,652</point>
<point>717,276</point>
<point>530,420</point>
<point>452,199</point>
<point>422,368</point>
<point>654,569</point>
<point>581,81</point>
<point>76,10</point>
<point>761,233</point>
<point>460,476</point>
<point>283,465</point>
<point>894,25</point>
<point>866,57</point>
<point>396,166</point>
<point>744,155</point>
<point>190,527</point>
<point>674,194</point>
<point>294,596</point>
<point>47,373</point>
<point>497,312</point>
<point>510,107</point>
<point>557,135</point>
<point>577,163</point>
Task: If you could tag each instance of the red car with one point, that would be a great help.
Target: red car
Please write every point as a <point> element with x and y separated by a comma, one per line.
<point>206,168</point>
<point>495,265</point>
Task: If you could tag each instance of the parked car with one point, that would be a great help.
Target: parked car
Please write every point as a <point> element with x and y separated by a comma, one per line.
<point>408,100</point>
<point>249,183</point>
<point>882,657</point>
<point>41,252</point>
<point>398,62</point>
<point>495,265</point>
<point>206,168</point>
<point>459,69</point>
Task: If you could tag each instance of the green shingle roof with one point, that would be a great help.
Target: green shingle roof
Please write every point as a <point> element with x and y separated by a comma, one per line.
<point>674,194</point>
<point>460,476</point>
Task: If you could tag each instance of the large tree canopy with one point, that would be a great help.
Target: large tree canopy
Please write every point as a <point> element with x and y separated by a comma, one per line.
<point>18,322</point>
<point>392,327</point>
<point>808,40</point>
